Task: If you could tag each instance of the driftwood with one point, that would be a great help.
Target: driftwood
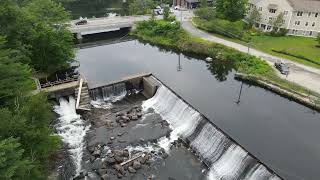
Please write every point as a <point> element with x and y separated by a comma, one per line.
<point>132,159</point>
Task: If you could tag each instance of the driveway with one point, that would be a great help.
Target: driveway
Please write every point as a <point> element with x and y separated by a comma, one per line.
<point>300,74</point>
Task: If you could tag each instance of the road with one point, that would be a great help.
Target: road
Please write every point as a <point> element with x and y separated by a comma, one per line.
<point>300,74</point>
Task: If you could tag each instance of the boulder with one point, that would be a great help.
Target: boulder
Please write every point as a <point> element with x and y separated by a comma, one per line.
<point>119,168</point>
<point>102,172</point>
<point>118,152</point>
<point>105,177</point>
<point>97,153</point>
<point>136,164</point>
<point>131,169</point>
<point>112,138</point>
<point>119,175</point>
<point>110,161</point>
<point>134,117</point>
<point>126,153</point>
<point>80,176</point>
<point>119,159</point>
<point>97,164</point>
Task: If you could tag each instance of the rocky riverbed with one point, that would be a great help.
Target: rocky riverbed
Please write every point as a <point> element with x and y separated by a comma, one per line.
<point>122,143</point>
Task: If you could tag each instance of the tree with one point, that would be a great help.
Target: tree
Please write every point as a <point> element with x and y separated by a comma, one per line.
<point>232,10</point>
<point>14,77</point>
<point>166,13</point>
<point>277,23</point>
<point>12,163</point>
<point>253,17</point>
<point>47,11</point>
<point>203,3</point>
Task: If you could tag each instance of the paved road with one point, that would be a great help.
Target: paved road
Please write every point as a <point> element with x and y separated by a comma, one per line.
<point>305,76</point>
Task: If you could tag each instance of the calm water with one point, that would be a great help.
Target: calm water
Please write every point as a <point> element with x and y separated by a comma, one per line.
<point>96,8</point>
<point>281,133</point>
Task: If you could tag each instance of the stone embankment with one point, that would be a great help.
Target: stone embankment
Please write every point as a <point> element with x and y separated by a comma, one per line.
<point>304,99</point>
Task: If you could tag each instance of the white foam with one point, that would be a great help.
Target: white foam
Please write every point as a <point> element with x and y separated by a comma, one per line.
<point>72,129</point>
<point>230,165</point>
<point>258,172</point>
<point>182,118</point>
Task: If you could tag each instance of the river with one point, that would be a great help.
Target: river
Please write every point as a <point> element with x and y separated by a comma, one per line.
<point>279,132</point>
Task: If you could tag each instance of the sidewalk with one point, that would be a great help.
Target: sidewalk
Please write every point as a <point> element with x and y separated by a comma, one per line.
<point>300,74</point>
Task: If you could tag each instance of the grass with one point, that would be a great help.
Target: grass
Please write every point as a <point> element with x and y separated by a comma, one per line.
<point>170,36</point>
<point>297,46</point>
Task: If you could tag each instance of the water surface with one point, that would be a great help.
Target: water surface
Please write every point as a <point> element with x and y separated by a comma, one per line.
<point>281,133</point>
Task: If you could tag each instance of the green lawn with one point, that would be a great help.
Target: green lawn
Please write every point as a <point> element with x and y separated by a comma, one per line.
<point>298,46</point>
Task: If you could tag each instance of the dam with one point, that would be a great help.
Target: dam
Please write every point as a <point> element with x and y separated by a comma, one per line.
<point>221,154</point>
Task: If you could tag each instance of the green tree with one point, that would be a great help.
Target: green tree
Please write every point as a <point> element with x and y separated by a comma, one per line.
<point>14,77</point>
<point>203,3</point>
<point>47,11</point>
<point>232,10</point>
<point>277,23</point>
<point>253,17</point>
<point>166,13</point>
<point>12,163</point>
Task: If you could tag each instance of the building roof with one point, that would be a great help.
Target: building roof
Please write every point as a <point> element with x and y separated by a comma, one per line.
<point>305,5</point>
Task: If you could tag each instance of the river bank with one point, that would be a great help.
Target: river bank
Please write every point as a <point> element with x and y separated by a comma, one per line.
<point>172,36</point>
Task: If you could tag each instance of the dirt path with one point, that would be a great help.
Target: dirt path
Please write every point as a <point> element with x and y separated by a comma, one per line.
<point>300,74</point>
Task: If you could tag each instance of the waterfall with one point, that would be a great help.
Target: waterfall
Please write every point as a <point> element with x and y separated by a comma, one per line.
<point>226,159</point>
<point>215,145</point>
<point>72,129</point>
<point>182,118</point>
<point>110,93</point>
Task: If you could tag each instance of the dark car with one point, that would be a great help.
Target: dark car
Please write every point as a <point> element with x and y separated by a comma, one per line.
<point>282,67</point>
<point>82,22</point>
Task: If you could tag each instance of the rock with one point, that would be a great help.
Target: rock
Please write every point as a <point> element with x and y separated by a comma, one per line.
<point>120,134</point>
<point>139,115</point>
<point>102,172</point>
<point>123,124</point>
<point>110,142</point>
<point>119,175</point>
<point>119,159</point>
<point>126,153</point>
<point>134,118</point>
<point>97,153</point>
<point>80,176</point>
<point>131,169</point>
<point>109,124</point>
<point>164,155</point>
<point>121,141</point>
<point>136,164</point>
<point>119,168</point>
<point>91,149</point>
<point>125,118</point>
<point>92,158</point>
<point>97,164</point>
<point>118,152</point>
<point>112,138</point>
<point>110,161</point>
<point>119,114</point>
<point>105,177</point>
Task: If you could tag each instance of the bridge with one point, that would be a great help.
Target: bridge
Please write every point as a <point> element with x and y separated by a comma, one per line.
<point>105,24</point>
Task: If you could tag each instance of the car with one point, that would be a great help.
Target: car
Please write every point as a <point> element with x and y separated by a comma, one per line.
<point>176,7</point>
<point>81,22</point>
<point>158,11</point>
<point>282,67</point>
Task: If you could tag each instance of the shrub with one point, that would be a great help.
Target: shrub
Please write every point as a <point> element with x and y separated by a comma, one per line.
<point>205,13</point>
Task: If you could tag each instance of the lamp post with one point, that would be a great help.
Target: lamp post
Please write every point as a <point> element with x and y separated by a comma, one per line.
<point>179,67</point>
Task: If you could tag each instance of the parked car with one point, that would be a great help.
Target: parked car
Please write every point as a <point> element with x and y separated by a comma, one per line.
<point>282,67</point>
<point>176,7</point>
<point>81,22</point>
<point>158,10</point>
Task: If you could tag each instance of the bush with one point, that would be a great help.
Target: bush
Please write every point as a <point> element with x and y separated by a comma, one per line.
<point>279,33</point>
<point>205,13</point>
<point>221,26</point>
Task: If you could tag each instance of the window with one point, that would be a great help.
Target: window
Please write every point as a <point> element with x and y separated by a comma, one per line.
<point>300,13</point>
<point>307,23</point>
<point>309,14</point>
<point>310,34</point>
<point>297,23</point>
<point>316,15</point>
<point>260,8</point>
<point>285,13</point>
<point>313,24</point>
<point>272,10</point>
<point>268,28</point>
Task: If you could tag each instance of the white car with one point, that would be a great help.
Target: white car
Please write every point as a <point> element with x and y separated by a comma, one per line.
<point>176,7</point>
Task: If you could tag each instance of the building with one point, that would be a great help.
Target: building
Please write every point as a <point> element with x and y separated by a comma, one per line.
<point>301,17</point>
<point>190,4</point>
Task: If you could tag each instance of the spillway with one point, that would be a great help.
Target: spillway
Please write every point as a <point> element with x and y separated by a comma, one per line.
<point>224,157</point>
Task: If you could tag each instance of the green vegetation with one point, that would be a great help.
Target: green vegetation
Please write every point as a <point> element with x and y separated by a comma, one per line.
<point>300,49</point>
<point>232,10</point>
<point>30,38</point>
<point>170,35</point>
